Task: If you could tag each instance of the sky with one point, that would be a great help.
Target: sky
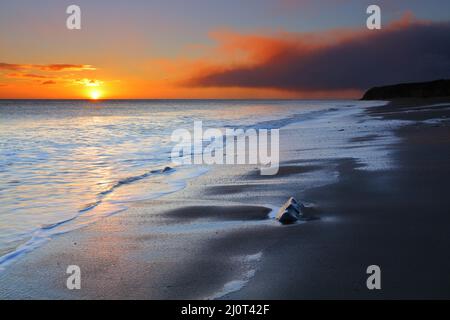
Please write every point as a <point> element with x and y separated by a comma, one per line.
<point>218,49</point>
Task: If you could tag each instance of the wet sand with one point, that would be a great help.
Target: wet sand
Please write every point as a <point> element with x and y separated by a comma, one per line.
<point>216,238</point>
<point>397,219</point>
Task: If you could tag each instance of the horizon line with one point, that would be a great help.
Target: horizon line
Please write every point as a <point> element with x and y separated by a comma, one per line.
<point>166,99</point>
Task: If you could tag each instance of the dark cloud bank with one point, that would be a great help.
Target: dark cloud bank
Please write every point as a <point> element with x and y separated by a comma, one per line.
<point>414,52</point>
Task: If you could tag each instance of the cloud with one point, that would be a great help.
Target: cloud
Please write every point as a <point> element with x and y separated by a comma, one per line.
<point>48,82</point>
<point>11,66</point>
<point>26,76</point>
<point>51,79</point>
<point>65,67</point>
<point>406,50</point>
<point>88,82</point>
<point>46,67</point>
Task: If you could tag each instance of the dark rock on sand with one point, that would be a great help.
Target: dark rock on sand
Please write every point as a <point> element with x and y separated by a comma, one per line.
<point>433,89</point>
<point>290,212</point>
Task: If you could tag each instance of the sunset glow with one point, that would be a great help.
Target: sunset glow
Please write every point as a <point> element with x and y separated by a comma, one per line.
<point>126,55</point>
<point>95,94</point>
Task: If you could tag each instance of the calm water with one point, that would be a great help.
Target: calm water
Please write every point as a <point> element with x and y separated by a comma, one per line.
<point>64,164</point>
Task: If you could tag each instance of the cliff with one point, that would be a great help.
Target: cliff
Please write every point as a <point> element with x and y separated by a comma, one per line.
<point>433,89</point>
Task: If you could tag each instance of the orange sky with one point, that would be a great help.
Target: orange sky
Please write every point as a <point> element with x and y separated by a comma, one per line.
<point>170,51</point>
<point>155,77</point>
<point>118,77</point>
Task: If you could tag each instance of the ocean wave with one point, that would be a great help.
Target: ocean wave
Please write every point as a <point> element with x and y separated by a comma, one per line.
<point>45,232</point>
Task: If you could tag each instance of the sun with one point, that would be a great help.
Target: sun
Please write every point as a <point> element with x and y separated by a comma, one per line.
<point>95,94</point>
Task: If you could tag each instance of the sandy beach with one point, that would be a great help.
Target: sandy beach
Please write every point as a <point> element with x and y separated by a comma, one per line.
<point>377,193</point>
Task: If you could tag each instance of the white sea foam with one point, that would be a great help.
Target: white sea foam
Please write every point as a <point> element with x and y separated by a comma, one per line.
<point>335,136</point>
<point>250,264</point>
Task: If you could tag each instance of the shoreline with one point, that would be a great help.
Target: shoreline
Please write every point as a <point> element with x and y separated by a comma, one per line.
<point>140,254</point>
<point>396,219</point>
